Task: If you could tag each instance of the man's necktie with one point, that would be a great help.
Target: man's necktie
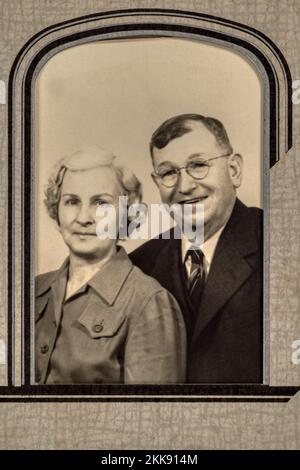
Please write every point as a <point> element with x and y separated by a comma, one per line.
<point>196,279</point>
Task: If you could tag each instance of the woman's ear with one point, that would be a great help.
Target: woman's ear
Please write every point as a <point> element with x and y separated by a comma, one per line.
<point>235,167</point>
<point>57,226</point>
<point>57,223</point>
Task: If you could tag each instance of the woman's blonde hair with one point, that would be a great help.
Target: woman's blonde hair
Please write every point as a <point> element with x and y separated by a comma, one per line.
<point>85,159</point>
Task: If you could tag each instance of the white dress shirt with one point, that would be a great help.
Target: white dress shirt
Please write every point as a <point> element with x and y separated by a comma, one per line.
<point>208,249</point>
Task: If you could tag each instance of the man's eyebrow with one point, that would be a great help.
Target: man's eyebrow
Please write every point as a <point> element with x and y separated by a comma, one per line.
<point>167,162</point>
<point>194,155</point>
<point>190,157</point>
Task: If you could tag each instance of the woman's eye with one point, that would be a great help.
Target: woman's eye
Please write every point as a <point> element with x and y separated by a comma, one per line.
<point>71,202</point>
<point>100,202</point>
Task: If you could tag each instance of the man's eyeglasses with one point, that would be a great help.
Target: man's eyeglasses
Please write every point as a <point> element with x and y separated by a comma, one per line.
<point>197,169</point>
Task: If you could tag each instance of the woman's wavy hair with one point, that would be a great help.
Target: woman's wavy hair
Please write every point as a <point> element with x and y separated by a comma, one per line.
<point>85,159</point>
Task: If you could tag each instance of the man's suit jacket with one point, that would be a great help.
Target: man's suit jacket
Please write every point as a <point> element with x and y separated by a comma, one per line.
<point>225,340</point>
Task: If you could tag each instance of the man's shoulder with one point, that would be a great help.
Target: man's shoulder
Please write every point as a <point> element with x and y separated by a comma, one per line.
<point>151,246</point>
<point>256,211</point>
<point>256,215</point>
<point>245,229</point>
<point>245,216</point>
<point>145,255</point>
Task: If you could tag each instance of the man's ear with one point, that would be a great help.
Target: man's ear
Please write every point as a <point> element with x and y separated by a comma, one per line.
<point>235,168</point>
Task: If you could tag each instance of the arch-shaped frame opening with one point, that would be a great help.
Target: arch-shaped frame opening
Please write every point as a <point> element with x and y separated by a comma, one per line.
<point>127,30</point>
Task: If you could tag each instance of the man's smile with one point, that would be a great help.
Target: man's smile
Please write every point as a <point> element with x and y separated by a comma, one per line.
<point>194,200</point>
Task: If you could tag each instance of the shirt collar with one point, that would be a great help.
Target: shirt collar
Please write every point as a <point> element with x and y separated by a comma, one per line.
<point>208,247</point>
<point>107,282</point>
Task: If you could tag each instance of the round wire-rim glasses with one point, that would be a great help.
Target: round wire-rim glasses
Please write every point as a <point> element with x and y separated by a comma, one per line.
<point>197,169</point>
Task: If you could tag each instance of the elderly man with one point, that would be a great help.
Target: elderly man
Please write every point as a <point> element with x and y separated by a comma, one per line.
<point>218,285</point>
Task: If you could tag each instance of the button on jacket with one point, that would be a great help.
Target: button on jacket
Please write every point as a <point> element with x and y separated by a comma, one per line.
<point>120,327</point>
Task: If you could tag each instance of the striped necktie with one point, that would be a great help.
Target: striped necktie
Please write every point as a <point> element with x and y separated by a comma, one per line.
<point>196,279</point>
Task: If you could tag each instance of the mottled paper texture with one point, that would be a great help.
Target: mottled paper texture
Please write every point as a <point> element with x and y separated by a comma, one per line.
<point>172,425</point>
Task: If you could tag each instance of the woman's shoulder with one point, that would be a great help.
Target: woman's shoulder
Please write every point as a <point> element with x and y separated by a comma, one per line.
<point>44,276</point>
<point>43,281</point>
<point>145,282</point>
<point>150,301</point>
<point>146,287</point>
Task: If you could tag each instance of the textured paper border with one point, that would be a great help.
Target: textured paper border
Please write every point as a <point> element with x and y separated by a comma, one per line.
<point>284,205</point>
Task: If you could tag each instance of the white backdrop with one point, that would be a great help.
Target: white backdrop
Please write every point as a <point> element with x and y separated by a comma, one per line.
<point>116,93</point>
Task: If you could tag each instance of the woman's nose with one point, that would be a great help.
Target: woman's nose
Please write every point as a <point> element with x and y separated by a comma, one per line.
<point>186,182</point>
<point>85,215</point>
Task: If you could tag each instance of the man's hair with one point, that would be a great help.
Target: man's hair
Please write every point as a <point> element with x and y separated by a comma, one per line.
<point>181,124</point>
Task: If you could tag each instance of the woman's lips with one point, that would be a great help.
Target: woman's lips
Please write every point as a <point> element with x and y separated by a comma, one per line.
<point>83,234</point>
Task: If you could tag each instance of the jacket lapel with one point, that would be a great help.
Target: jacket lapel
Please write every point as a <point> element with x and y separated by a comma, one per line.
<point>230,268</point>
<point>43,284</point>
<point>40,305</point>
<point>168,271</point>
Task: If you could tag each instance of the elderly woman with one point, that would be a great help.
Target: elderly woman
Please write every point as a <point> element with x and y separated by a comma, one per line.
<point>99,319</point>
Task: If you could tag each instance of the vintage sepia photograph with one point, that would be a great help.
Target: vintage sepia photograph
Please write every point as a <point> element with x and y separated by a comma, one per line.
<point>166,287</point>
<point>149,228</point>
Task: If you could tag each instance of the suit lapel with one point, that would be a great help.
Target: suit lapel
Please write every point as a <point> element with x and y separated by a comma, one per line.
<point>230,268</point>
<point>166,267</point>
<point>169,273</point>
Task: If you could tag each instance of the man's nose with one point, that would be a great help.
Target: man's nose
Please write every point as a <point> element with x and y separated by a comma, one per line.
<point>85,215</point>
<point>186,183</point>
